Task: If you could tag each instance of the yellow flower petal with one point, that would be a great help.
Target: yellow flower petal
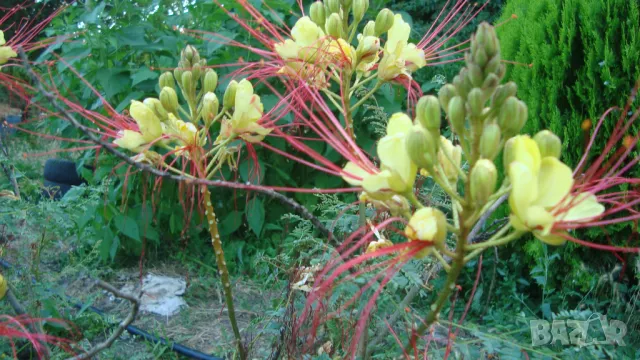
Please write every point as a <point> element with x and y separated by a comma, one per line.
<point>517,223</point>
<point>537,217</point>
<point>130,140</point>
<point>148,122</point>
<point>2,41</point>
<point>350,170</point>
<point>551,239</point>
<point>306,33</point>
<point>555,180</point>
<point>248,107</point>
<point>376,183</point>
<point>398,33</point>
<point>287,49</point>
<point>6,53</point>
<point>525,150</point>
<point>523,191</point>
<point>414,55</point>
<point>584,207</point>
<point>399,123</point>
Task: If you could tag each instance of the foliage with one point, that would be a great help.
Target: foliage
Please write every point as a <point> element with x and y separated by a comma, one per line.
<point>583,56</point>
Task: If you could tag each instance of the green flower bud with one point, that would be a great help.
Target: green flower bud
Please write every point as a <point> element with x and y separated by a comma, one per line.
<point>177,73</point>
<point>169,99</point>
<point>445,95</point>
<point>167,80</point>
<point>196,71</point>
<point>502,93</point>
<point>210,106</point>
<point>347,3</point>
<point>333,6</point>
<point>475,75</point>
<point>493,66</point>
<point>229,98</point>
<point>187,54</point>
<point>480,57</point>
<point>384,21</point>
<point>476,101</point>
<point>359,8</point>
<point>210,81</point>
<point>368,48</point>
<point>369,29</point>
<point>513,116</point>
<point>428,113</point>
<point>484,178</point>
<point>490,141</point>
<point>548,143</point>
<point>507,154</point>
<point>489,85</point>
<point>333,26</point>
<point>317,13</point>
<point>421,147</point>
<point>457,114</point>
<point>485,38</point>
<point>428,224</point>
<point>156,106</point>
<point>187,80</point>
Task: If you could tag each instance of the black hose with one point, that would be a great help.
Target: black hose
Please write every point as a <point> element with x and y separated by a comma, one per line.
<point>178,348</point>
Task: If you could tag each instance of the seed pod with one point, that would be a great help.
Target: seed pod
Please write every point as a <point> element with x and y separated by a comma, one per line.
<point>384,21</point>
<point>484,177</point>
<point>490,141</point>
<point>428,113</point>
<point>169,99</point>
<point>210,81</point>
<point>317,13</point>
<point>229,98</point>
<point>548,143</point>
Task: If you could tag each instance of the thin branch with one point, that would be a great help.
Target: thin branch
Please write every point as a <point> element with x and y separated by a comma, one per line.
<point>293,205</point>
<point>135,302</point>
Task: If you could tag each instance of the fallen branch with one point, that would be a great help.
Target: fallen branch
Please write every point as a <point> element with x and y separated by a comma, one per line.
<point>135,302</point>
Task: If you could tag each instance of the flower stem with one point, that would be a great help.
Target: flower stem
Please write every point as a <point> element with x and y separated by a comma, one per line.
<point>367,96</point>
<point>222,270</point>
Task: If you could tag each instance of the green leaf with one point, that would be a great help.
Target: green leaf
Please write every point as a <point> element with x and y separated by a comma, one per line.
<point>114,247</point>
<point>127,226</point>
<point>113,81</point>
<point>127,101</point>
<point>143,74</point>
<point>216,42</point>
<point>231,223</point>
<point>105,244</point>
<point>255,215</point>
<point>252,172</point>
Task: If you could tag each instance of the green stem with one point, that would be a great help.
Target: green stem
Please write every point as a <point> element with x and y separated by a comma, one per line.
<point>409,195</point>
<point>223,271</point>
<point>497,240</point>
<point>367,96</point>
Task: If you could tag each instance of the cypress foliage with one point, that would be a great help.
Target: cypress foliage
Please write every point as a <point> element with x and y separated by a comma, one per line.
<point>585,57</point>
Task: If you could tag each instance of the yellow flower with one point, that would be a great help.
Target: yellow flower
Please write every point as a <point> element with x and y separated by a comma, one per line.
<point>6,52</point>
<point>185,132</point>
<point>130,140</point>
<point>398,171</point>
<point>311,74</point>
<point>427,224</point>
<point>148,123</point>
<point>3,282</point>
<point>247,111</point>
<point>400,56</point>
<point>446,154</point>
<point>341,51</point>
<point>368,52</point>
<point>307,39</point>
<point>381,243</point>
<point>540,194</point>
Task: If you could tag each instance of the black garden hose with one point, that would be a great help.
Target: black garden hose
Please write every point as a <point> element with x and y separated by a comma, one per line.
<point>178,348</point>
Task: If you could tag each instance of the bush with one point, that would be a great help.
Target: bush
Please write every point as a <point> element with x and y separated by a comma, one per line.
<point>585,57</point>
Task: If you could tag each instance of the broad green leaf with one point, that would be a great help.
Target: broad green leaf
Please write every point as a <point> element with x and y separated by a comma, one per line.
<point>231,223</point>
<point>255,215</point>
<point>127,226</point>
<point>252,172</point>
<point>216,42</point>
<point>136,95</point>
<point>113,81</point>
<point>143,74</point>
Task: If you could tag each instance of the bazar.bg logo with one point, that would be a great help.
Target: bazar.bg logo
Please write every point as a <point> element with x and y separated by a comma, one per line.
<point>593,331</point>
